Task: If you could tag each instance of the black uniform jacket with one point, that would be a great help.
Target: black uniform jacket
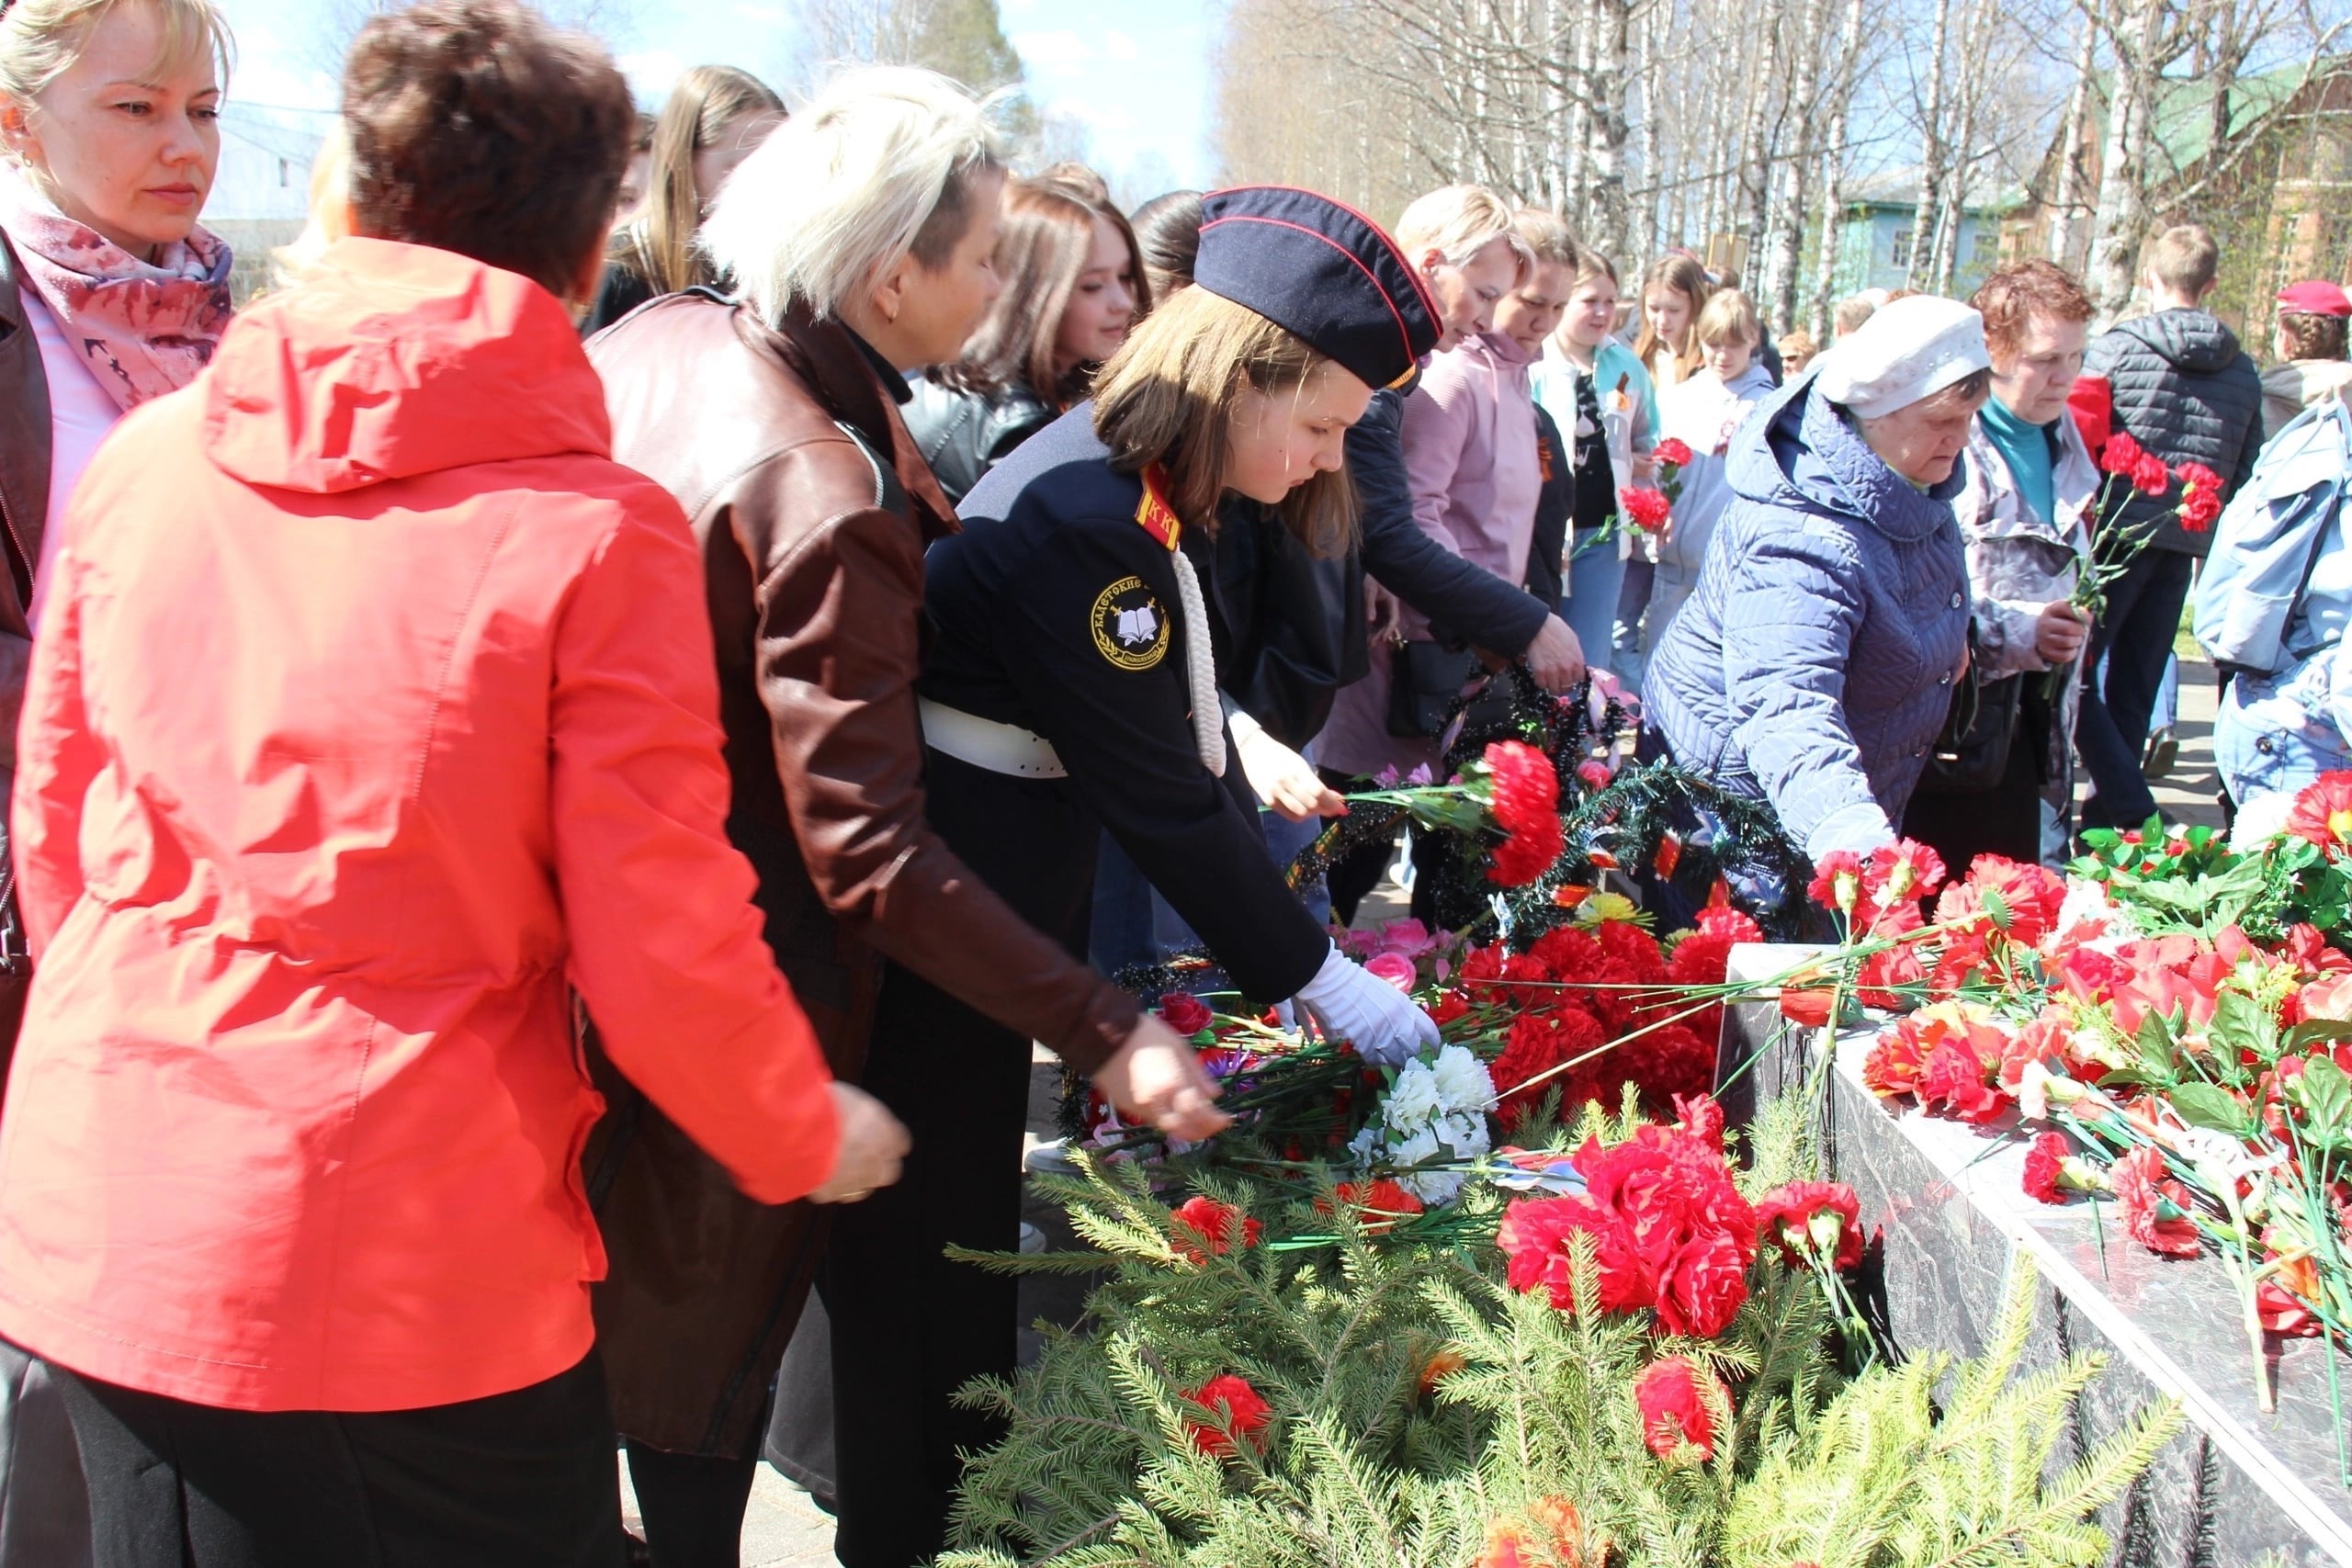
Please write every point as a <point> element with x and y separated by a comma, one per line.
<point>1055,611</point>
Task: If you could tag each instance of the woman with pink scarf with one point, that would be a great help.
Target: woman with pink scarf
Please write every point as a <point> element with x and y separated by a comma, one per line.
<point>111,294</point>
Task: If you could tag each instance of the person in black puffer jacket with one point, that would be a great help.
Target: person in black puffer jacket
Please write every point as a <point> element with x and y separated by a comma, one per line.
<point>2185,390</point>
<point>1073,284</point>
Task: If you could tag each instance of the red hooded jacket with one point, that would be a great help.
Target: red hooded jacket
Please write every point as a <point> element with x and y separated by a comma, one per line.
<point>373,702</point>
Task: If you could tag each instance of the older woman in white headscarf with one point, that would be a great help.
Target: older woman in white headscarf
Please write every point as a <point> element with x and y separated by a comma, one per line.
<point>1814,662</point>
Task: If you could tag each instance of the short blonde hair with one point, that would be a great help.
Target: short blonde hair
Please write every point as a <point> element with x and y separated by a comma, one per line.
<point>879,164</point>
<point>1728,314</point>
<point>1458,222</point>
<point>1548,239</point>
<point>40,39</point>
<point>2186,259</point>
<point>1166,397</point>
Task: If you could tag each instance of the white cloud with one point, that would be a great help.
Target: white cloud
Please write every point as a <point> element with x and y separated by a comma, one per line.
<point>1119,45</point>
<point>1053,49</point>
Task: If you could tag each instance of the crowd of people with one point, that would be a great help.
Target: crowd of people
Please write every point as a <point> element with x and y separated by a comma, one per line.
<point>650,623</point>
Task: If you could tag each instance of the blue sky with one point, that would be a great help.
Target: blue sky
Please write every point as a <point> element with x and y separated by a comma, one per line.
<point>1132,74</point>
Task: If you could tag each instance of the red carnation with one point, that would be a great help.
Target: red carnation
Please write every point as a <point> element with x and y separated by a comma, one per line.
<point>1674,1411</point>
<point>1670,1233</point>
<point>1202,1227</point>
<point>2156,1208</point>
<point>1672,452</point>
<point>1524,795</point>
<point>1809,1007</point>
<point>1813,1219</point>
<point>1538,1042</point>
<point>2018,898</point>
<point>2045,1161</point>
<point>1377,1206</point>
<point>1234,1410</point>
<point>1699,1116</point>
<point>2323,811</point>
<point>1509,1544</point>
<point>1644,509</point>
<point>1838,882</point>
<point>1185,1013</point>
<point>2120,455</point>
<point>1722,920</point>
<point>1906,869</point>
<point>2149,475</point>
<point>2200,496</point>
<point>2092,406</point>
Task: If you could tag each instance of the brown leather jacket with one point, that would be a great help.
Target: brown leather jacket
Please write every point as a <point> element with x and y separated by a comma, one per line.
<point>813,513</point>
<point>25,445</point>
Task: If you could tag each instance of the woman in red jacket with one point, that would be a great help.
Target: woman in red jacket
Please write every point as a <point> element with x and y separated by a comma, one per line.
<point>345,748</point>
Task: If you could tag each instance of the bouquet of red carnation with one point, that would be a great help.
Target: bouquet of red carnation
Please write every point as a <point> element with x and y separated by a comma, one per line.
<point>1514,787</point>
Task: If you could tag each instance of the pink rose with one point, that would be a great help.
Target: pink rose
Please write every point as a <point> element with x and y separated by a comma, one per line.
<point>1394,968</point>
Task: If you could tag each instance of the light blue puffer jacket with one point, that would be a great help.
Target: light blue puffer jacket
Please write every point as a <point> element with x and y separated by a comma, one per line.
<point>1813,664</point>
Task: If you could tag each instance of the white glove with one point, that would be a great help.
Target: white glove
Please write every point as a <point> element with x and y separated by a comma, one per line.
<point>1282,779</point>
<point>1360,1008</point>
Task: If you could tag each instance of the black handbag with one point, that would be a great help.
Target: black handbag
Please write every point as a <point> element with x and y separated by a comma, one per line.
<point>1425,691</point>
<point>1972,755</point>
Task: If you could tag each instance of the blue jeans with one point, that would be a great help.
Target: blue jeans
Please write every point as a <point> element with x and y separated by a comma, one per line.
<point>2254,759</point>
<point>1595,579</point>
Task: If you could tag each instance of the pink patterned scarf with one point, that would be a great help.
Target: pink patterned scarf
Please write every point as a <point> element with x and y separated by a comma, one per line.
<point>144,329</point>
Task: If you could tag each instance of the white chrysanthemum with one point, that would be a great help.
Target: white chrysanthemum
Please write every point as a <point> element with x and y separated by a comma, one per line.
<point>1414,1098</point>
<point>1462,1082</point>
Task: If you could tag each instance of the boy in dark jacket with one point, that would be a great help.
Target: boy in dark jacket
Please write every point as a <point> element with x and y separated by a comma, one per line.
<point>2185,390</point>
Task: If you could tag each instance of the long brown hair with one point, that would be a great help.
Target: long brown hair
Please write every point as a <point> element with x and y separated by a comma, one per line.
<point>659,245</point>
<point>1166,397</point>
<point>1047,236</point>
<point>1678,270</point>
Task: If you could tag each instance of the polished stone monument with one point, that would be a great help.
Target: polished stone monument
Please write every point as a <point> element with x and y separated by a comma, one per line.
<point>2238,1485</point>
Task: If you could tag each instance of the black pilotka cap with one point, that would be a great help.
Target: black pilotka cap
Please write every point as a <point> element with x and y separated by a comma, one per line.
<point>1325,272</point>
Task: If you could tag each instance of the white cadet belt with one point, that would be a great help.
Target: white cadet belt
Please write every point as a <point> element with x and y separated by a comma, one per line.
<point>985,743</point>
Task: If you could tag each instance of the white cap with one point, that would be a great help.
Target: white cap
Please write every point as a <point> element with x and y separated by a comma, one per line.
<point>1910,349</point>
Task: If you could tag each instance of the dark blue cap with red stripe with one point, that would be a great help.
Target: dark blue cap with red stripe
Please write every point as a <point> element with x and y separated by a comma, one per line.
<point>1330,275</point>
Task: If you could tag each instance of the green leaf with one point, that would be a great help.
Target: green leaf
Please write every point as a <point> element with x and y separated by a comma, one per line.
<point>2240,1024</point>
<point>2327,1098</point>
<point>2155,1041</point>
<point>2312,1031</point>
<point>2217,1109</point>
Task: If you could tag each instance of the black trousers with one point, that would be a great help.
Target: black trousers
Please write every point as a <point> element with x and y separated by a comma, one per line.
<point>2136,634</point>
<point>909,1326</point>
<point>519,1479</point>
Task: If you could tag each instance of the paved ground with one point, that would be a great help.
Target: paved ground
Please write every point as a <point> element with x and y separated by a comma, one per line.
<point>784,1529</point>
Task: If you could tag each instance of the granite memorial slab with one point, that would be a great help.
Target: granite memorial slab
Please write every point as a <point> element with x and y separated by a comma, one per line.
<point>2239,1484</point>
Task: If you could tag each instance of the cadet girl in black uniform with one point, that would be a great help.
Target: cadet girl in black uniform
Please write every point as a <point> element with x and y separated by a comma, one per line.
<point>1070,686</point>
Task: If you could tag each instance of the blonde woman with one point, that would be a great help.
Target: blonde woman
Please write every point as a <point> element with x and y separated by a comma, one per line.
<point>715,117</point>
<point>775,418</point>
<point>111,294</point>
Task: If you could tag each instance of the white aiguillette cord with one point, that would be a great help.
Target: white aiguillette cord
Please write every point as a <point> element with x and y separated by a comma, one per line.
<point>1158,519</point>
<point>1200,668</point>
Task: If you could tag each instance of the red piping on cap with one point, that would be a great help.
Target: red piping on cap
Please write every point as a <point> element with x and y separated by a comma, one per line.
<point>1429,300</point>
<point>1395,315</point>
